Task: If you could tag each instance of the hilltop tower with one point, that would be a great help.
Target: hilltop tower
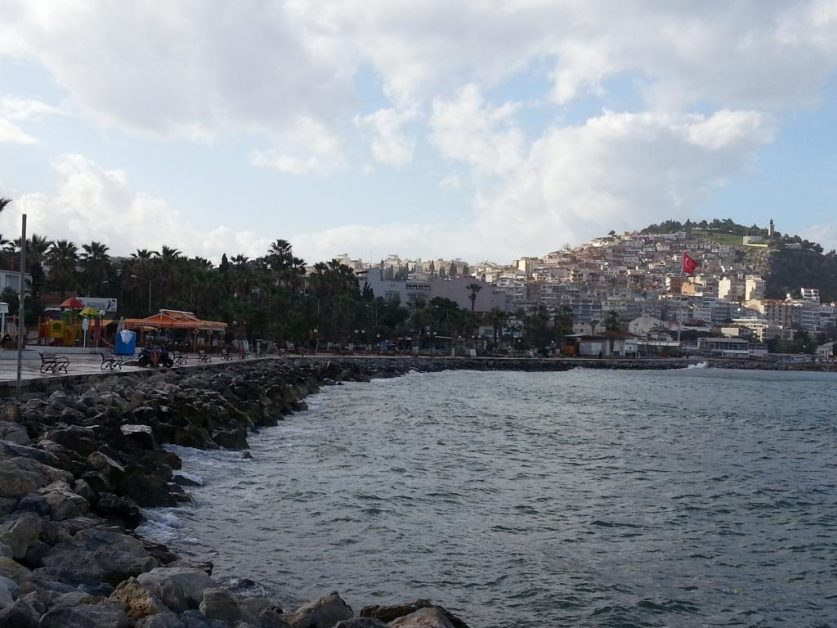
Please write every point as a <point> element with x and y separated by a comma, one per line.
<point>770,230</point>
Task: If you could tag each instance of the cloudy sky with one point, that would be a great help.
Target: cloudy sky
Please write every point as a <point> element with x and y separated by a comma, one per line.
<point>481,129</point>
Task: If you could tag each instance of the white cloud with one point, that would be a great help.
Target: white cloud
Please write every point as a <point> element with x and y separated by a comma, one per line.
<point>15,109</point>
<point>470,130</point>
<point>390,145</point>
<point>617,171</point>
<point>308,148</point>
<point>11,134</point>
<point>92,203</point>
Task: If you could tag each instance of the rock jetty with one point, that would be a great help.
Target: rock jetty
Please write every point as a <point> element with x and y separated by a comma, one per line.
<point>81,456</point>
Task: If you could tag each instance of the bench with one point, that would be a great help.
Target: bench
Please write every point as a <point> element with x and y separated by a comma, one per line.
<point>110,361</point>
<point>203,356</point>
<point>226,355</point>
<point>180,359</point>
<point>52,363</point>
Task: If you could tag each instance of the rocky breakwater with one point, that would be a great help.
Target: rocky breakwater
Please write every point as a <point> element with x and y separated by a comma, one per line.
<point>81,457</point>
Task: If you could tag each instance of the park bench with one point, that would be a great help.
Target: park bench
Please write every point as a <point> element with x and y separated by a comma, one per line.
<point>180,359</point>
<point>51,363</point>
<point>203,356</point>
<point>226,355</point>
<point>111,361</point>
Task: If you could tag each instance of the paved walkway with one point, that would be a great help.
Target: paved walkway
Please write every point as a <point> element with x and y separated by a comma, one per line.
<point>80,364</point>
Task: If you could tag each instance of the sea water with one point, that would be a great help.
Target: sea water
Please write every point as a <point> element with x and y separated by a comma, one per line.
<point>597,498</point>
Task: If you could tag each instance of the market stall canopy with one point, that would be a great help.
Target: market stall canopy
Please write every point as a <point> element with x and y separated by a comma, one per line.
<point>72,303</point>
<point>174,319</point>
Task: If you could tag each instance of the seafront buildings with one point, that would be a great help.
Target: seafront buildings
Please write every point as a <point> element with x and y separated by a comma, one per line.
<point>638,276</point>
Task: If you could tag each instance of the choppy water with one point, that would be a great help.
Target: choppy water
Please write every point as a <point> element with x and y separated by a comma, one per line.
<point>600,498</point>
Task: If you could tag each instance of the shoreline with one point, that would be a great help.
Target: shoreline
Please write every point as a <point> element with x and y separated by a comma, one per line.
<point>82,455</point>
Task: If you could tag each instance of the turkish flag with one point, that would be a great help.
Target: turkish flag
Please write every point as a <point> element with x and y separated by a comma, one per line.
<point>689,264</point>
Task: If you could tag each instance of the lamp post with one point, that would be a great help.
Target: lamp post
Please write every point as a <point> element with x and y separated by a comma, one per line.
<point>149,290</point>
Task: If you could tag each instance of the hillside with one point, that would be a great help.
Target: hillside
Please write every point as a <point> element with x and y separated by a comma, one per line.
<point>787,264</point>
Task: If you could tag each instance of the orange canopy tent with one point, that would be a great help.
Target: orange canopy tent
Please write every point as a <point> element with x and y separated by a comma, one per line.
<point>174,319</point>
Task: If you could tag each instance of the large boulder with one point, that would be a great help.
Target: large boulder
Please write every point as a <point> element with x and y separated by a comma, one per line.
<point>139,436</point>
<point>96,555</point>
<point>109,469</point>
<point>19,532</point>
<point>138,601</point>
<point>160,620</point>
<point>19,615</point>
<point>124,508</point>
<point>103,615</point>
<point>361,622</point>
<point>321,613</point>
<point>179,588</point>
<point>81,440</point>
<point>220,604</point>
<point>429,617</point>
<point>235,438</point>
<point>13,433</point>
<point>21,476</point>
<point>64,503</point>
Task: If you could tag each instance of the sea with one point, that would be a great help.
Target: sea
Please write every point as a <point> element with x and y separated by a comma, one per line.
<point>581,498</point>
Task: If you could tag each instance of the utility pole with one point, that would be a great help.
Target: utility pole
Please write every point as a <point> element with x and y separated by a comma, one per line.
<point>20,301</point>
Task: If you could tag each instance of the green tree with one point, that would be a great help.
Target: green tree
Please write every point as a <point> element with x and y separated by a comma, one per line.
<point>473,289</point>
<point>63,260</point>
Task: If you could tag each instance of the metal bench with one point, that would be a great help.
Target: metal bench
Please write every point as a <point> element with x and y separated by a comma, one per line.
<point>180,359</point>
<point>203,356</point>
<point>111,361</point>
<point>52,363</point>
<point>226,355</point>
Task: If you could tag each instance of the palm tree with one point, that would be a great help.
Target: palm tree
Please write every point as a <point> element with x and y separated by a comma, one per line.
<point>63,258</point>
<point>95,264</point>
<point>36,251</point>
<point>474,288</point>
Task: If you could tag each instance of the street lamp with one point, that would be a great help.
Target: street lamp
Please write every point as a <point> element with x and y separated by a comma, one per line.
<point>149,290</point>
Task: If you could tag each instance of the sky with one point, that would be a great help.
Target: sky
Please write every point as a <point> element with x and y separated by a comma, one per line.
<point>473,129</point>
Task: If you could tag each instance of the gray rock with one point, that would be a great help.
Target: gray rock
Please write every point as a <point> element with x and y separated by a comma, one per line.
<point>104,615</point>
<point>7,505</point>
<point>321,613</point>
<point>35,503</point>
<point>179,588</point>
<point>21,476</point>
<point>5,551</point>
<point>138,601</point>
<point>19,615</point>
<point>19,532</point>
<point>14,433</point>
<point>81,440</point>
<point>6,588</point>
<point>140,436</point>
<point>107,467</point>
<point>64,503</point>
<point>361,622</point>
<point>220,604</point>
<point>195,619</point>
<point>110,505</point>
<point>14,450</point>
<point>96,555</point>
<point>160,620</point>
<point>430,617</point>
<point>13,570</point>
<point>82,488</point>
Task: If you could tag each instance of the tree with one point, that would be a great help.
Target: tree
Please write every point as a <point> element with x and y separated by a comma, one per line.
<point>473,288</point>
<point>63,259</point>
<point>95,267</point>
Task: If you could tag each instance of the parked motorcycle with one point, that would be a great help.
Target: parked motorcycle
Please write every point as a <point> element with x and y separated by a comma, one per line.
<point>155,357</point>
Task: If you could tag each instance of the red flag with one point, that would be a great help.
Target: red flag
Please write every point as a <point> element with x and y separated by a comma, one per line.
<point>689,264</point>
